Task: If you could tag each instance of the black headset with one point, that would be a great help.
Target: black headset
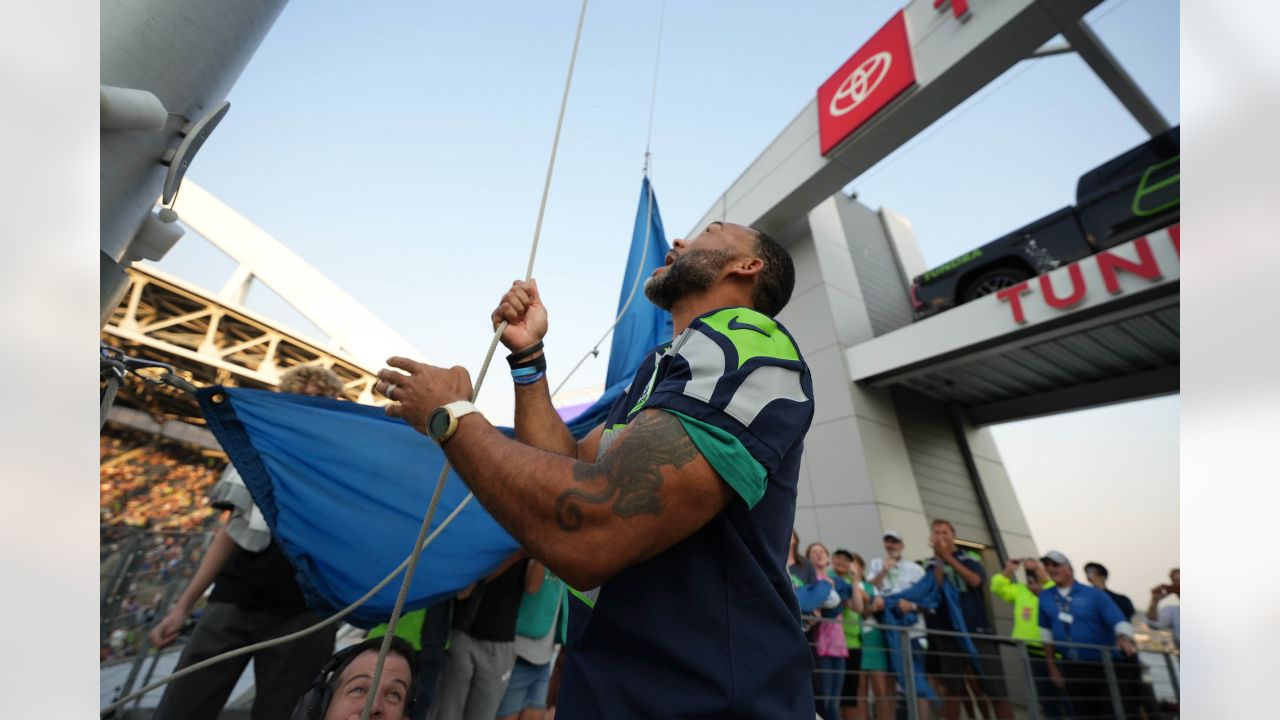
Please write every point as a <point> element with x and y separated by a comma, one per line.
<point>315,702</point>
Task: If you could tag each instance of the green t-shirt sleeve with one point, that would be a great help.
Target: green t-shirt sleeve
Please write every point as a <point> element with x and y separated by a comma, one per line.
<point>726,454</point>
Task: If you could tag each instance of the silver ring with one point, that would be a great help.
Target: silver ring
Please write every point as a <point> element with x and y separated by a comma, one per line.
<point>388,392</point>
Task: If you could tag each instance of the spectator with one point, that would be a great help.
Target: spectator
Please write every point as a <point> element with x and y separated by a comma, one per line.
<point>965,573</point>
<point>540,626</point>
<point>482,649</point>
<point>1025,598</point>
<point>313,380</point>
<point>830,649</point>
<point>1097,575</point>
<point>891,574</point>
<point>1168,616</point>
<point>254,598</point>
<point>1071,612</point>
<point>341,687</point>
<point>427,631</point>
<point>849,568</point>
<point>1134,691</point>
<point>797,566</point>
<point>874,676</point>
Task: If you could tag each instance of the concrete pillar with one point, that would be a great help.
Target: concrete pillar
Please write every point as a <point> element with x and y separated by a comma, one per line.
<point>878,459</point>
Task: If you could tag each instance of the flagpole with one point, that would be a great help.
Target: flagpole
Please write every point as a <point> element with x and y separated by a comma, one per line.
<point>648,225</point>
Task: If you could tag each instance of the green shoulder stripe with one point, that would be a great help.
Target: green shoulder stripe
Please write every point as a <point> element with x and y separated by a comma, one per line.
<point>737,467</point>
<point>752,333</point>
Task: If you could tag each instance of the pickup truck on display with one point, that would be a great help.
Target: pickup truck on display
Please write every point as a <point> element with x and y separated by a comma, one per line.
<point>1124,198</point>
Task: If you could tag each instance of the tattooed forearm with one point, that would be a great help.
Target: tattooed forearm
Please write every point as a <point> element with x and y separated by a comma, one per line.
<point>631,471</point>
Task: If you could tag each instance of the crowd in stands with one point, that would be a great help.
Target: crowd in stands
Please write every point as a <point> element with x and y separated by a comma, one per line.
<point>858,616</point>
<point>153,483</point>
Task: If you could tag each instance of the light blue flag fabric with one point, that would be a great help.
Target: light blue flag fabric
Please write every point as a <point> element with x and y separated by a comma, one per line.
<point>644,326</point>
<point>344,488</point>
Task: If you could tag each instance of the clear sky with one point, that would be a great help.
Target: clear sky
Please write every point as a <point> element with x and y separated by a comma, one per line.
<point>401,147</point>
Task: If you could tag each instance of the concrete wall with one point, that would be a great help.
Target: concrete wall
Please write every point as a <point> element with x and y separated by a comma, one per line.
<point>875,460</point>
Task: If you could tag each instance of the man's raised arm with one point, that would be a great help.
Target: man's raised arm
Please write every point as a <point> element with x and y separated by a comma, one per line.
<point>537,422</point>
<point>585,520</point>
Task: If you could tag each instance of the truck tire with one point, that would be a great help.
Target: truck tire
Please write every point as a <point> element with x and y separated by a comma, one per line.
<point>991,281</point>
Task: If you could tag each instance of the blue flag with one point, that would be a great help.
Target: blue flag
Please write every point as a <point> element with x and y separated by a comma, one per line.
<point>344,487</point>
<point>643,326</point>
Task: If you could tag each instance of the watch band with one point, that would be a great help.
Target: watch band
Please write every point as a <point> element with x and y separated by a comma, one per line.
<point>457,410</point>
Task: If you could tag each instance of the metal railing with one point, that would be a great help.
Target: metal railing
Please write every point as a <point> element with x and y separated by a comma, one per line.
<point>141,573</point>
<point>1006,678</point>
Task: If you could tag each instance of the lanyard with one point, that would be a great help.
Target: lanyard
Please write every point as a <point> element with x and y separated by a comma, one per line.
<point>1064,609</point>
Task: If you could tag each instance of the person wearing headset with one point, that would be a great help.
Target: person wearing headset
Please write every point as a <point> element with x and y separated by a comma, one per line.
<point>339,691</point>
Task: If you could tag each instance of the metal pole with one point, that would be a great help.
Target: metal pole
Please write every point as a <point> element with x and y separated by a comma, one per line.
<point>1113,686</point>
<point>137,666</point>
<point>1173,675</point>
<point>1113,75</point>
<point>909,676</point>
<point>971,467</point>
<point>1033,698</point>
<point>111,609</point>
<point>108,398</point>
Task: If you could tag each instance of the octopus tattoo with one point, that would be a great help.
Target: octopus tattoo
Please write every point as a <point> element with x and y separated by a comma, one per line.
<point>631,471</point>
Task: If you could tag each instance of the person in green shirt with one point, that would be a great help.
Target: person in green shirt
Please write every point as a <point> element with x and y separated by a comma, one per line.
<point>1025,598</point>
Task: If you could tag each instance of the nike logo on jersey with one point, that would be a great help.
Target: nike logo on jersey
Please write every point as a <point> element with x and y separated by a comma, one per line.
<point>734,324</point>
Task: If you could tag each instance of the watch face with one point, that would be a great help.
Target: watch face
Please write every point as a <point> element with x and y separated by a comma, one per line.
<point>438,423</point>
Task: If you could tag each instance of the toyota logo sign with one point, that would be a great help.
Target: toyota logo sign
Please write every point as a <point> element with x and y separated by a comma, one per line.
<point>861,83</point>
<point>878,72</point>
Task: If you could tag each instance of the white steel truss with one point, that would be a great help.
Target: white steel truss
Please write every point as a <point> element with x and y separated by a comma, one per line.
<point>210,341</point>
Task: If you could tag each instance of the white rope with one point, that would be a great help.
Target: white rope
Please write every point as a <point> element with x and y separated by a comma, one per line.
<point>648,223</point>
<point>484,369</point>
<point>423,540</point>
<point>653,92</point>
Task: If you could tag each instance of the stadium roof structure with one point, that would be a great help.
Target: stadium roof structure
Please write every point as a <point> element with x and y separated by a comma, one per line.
<point>212,342</point>
<point>212,339</point>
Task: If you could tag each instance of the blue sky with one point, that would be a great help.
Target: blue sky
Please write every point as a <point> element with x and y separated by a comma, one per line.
<point>400,148</point>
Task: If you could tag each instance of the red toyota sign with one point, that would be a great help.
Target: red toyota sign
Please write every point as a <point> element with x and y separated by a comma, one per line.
<point>876,74</point>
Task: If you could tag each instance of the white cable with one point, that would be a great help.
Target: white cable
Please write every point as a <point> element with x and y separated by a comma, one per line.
<point>484,369</point>
<point>648,224</point>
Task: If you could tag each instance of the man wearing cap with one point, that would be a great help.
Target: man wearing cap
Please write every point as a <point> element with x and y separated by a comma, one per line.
<point>1077,613</point>
<point>890,574</point>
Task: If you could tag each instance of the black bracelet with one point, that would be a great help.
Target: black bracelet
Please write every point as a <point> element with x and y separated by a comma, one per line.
<point>514,358</point>
<point>538,363</point>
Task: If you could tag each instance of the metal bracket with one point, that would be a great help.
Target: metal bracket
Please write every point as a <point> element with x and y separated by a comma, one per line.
<point>180,159</point>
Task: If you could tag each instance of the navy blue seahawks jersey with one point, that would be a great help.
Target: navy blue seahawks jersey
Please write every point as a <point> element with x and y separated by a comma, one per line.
<point>709,628</point>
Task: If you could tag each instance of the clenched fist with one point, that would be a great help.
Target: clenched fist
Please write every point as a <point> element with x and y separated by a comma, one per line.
<point>526,317</point>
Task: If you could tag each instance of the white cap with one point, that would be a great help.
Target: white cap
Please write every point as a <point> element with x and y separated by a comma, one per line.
<point>1057,557</point>
<point>892,535</point>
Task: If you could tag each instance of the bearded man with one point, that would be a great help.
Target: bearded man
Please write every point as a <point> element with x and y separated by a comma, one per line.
<point>672,518</point>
